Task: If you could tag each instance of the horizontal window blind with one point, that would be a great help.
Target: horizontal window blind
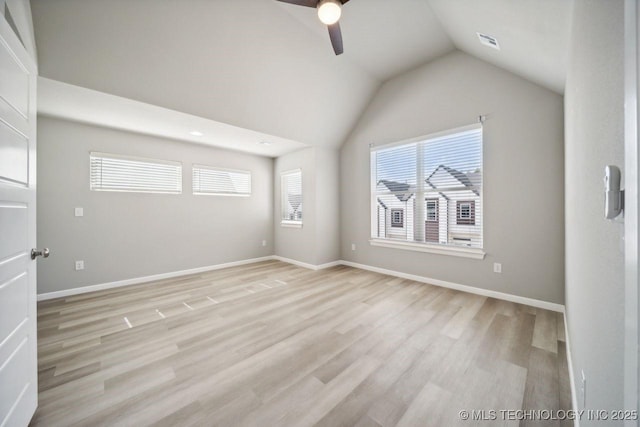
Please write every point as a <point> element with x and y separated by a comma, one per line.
<point>436,182</point>
<point>221,182</point>
<point>113,172</point>
<point>292,196</point>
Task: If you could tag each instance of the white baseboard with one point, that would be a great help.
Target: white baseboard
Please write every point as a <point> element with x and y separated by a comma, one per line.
<point>572,380</point>
<point>306,265</point>
<point>464,288</point>
<point>138,280</point>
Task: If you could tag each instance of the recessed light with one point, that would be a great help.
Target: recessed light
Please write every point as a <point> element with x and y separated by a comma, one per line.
<point>488,41</point>
<point>265,142</point>
<point>196,133</point>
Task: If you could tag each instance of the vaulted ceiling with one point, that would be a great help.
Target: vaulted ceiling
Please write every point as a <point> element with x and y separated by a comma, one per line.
<point>268,66</point>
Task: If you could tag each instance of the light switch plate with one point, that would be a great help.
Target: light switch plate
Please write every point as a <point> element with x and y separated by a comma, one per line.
<point>79,212</point>
<point>79,265</point>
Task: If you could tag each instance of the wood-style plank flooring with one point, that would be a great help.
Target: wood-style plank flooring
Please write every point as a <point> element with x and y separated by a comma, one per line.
<point>271,344</point>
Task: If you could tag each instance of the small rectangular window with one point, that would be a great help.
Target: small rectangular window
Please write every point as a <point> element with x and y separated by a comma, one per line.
<point>466,212</point>
<point>114,172</point>
<point>432,210</point>
<point>292,197</point>
<point>220,182</point>
<point>397,218</point>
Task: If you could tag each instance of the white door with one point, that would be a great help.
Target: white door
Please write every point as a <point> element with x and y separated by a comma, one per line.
<point>18,351</point>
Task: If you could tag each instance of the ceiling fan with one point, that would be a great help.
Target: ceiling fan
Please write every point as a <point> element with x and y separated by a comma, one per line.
<point>329,12</point>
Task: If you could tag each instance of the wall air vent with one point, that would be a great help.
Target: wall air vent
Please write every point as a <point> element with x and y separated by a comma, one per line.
<point>488,41</point>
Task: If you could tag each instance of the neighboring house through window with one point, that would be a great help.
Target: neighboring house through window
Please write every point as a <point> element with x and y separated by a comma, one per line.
<point>429,190</point>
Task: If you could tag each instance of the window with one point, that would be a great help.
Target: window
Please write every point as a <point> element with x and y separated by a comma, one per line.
<point>113,172</point>
<point>466,212</point>
<point>432,210</point>
<point>397,218</point>
<point>436,184</point>
<point>292,198</point>
<point>220,182</point>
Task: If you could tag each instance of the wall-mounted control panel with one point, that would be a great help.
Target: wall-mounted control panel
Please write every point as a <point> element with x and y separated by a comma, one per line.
<point>613,195</point>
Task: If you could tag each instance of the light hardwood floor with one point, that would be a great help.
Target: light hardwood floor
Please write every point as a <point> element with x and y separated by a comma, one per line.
<point>271,344</point>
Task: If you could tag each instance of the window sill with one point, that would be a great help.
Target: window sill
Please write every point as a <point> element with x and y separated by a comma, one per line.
<point>196,193</point>
<point>434,249</point>
<point>291,224</point>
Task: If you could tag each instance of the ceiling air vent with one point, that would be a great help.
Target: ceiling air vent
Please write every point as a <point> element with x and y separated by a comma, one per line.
<point>488,41</point>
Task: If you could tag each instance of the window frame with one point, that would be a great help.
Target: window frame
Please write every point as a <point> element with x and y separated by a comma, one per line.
<point>471,219</point>
<point>435,209</point>
<point>218,169</point>
<point>400,223</point>
<point>436,248</point>
<point>284,200</point>
<point>126,157</point>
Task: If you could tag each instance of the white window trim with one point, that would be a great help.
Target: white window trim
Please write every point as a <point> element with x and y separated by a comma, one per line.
<point>401,217</point>
<point>463,252</point>
<point>135,158</point>
<point>139,159</point>
<point>473,253</point>
<point>468,208</point>
<point>195,193</point>
<point>291,224</point>
<point>213,168</point>
<point>287,222</point>
<point>435,135</point>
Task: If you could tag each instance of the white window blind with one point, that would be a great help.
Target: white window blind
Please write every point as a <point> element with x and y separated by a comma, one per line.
<point>113,172</point>
<point>221,182</point>
<point>436,181</point>
<point>292,196</point>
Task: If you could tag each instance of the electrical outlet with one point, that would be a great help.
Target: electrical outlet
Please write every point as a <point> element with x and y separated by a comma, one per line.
<point>79,212</point>
<point>583,389</point>
<point>264,243</point>
<point>353,246</point>
<point>79,265</point>
<point>497,267</point>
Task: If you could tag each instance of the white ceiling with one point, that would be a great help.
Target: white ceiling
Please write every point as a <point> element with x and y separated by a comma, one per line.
<point>384,38</point>
<point>269,67</point>
<point>533,34</point>
<point>62,100</point>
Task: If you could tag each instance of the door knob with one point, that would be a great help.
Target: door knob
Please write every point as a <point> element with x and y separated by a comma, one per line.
<point>43,253</point>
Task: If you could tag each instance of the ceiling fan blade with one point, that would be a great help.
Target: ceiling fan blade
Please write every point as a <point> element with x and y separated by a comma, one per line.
<point>336,38</point>
<point>344,1</point>
<point>308,3</point>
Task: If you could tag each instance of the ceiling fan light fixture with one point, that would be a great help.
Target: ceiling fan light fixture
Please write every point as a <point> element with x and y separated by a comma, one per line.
<point>329,11</point>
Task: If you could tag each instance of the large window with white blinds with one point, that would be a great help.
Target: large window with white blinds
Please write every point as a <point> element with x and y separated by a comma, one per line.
<point>220,182</point>
<point>114,172</point>
<point>429,190</point>
<point>291,188</point>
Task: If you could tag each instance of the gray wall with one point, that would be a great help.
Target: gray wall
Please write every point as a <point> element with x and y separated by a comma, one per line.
<point>523,173</point>
<point>129,235</point>
<point>327,205</point>
<point>317,242</point>
<point>594,105</point>
<point>296,243</point>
